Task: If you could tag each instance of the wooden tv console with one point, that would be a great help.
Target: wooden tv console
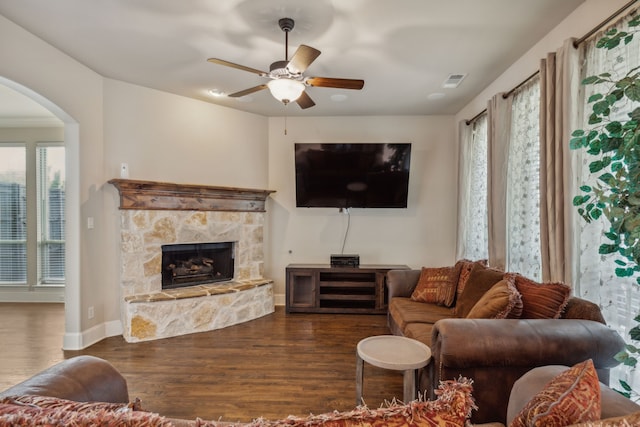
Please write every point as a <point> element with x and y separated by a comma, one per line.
<point>321,288</point>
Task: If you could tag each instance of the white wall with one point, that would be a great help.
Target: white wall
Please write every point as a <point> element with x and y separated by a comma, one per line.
<point>422,234</point>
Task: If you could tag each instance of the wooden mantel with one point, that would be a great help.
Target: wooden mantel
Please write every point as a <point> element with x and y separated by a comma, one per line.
<point>150,195</point>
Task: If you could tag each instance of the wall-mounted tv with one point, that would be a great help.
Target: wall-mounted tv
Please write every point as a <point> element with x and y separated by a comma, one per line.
<point>365,175</point>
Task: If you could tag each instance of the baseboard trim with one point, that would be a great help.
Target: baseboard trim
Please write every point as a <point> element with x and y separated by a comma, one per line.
<point>82,340</point>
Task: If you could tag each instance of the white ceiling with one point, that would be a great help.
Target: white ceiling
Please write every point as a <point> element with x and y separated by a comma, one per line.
<point>403,49</point>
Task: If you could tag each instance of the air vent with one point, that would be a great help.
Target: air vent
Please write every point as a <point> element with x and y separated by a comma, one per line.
<point>453,80</point>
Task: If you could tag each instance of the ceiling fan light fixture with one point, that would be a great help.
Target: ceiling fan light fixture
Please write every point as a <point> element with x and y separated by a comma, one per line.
<point>286,90</point>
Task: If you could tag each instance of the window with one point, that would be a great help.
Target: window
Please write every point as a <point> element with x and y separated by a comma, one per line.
<point>50,188</point>
<point>13,215</point>
<point>32,217</point>
<point>619,298</point>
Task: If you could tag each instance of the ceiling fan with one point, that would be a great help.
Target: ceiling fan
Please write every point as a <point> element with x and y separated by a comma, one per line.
<point>287,82</point>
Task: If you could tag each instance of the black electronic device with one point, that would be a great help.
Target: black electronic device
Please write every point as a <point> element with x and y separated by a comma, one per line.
<point>361,175</point>
<point>345,260</point>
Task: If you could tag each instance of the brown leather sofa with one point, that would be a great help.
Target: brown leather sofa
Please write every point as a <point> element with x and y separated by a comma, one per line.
<point>496,352</point>
<point>81,379</point>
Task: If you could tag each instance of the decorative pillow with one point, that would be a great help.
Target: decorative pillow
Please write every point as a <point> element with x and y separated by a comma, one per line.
<point>60,412</point>
<point>437,285</point>
<point>502,301</point>
<point>571,397</point>
<point>541,300</point>
<point>452,408</point>
<point>481,279</point>
<point>70,405</point>
<point>465,270</point>
<point>622,421</point>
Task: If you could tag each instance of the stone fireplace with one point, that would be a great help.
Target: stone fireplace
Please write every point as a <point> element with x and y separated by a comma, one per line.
<point>194,224</point>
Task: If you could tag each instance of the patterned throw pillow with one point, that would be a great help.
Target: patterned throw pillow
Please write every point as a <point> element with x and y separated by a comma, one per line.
<point>49,411</point>
<point>541,300</point>
<point>502,301</point>
<point>571,397</point>
<point>452,408</point>
<point>437,285</point>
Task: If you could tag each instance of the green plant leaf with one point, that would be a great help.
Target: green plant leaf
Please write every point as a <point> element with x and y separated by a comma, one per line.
<point>614,127</point>
<point>585,188</point>
<point>633,91</point>
<point>595,166</point>
<point>605,249</point>
<point>634,333</point>
<point>595,97</point>
<point>601,107</point>
<point>591,80</point>
<point>625,385</point>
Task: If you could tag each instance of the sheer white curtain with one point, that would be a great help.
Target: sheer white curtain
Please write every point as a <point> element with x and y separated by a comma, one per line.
<point>618,297</point>
<point>523,183</point>
<point>472,194</point>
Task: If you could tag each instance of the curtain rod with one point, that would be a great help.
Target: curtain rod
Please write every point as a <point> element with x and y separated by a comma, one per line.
<point>579,41</point>
<point>473,119</point>
<point>576,43</point>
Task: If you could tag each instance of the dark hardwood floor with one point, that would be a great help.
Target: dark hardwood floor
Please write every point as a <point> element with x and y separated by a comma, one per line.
<point>272,367</point>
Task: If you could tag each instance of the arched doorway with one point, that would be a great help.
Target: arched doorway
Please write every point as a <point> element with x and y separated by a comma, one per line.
<point>71,138</point>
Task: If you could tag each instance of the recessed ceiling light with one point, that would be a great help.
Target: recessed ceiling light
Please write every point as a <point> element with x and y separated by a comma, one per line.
<point>436,95</point>
<point>216,92</point>
<point>338,97</point>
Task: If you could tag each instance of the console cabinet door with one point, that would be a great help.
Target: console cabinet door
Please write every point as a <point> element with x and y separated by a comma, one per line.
<point>301,289</point>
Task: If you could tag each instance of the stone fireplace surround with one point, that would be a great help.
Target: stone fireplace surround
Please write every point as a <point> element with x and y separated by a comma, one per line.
<point>156,213</point>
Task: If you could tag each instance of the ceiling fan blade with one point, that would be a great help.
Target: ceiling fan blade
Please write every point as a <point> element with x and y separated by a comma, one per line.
<point>247,91</point>
<point>303,57</point>
<point>237,66</point>
<point>305,101</point>
<point>337,83</point>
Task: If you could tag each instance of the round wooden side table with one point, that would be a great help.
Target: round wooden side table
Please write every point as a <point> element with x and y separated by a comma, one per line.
<point>392,352</point>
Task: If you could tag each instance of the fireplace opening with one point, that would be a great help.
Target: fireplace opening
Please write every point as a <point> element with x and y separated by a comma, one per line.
<point>192,264</point>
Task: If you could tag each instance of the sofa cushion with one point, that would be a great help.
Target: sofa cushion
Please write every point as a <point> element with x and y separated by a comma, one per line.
<point>502,301</point>
<point>541,300</point>
<point>405,311</point>
<point>571,397</point>
<point>419,332</point>
<point>437,285</point>
<point>481,279</point>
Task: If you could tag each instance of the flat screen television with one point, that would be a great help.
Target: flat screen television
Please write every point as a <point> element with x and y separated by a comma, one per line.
<point>364,175</point>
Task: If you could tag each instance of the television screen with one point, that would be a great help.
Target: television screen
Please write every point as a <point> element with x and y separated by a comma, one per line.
<point>368,175</point>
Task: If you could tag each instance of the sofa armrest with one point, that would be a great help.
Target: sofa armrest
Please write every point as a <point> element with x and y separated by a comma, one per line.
<point>495,353</point>
<point>401,283</point>
<point>81,379</point>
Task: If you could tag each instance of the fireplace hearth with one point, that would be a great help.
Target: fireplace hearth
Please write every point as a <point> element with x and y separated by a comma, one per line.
<point>190,264</point>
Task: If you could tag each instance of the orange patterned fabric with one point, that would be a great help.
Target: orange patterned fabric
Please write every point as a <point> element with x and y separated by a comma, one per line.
<point>541,300</point>
<point>571,397</point>
<point>27,411</point>
<point>437,285</point>
<point>452,408</point>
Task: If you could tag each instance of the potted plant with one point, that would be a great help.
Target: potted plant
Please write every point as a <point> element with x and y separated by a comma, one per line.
<point>613,145</point>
